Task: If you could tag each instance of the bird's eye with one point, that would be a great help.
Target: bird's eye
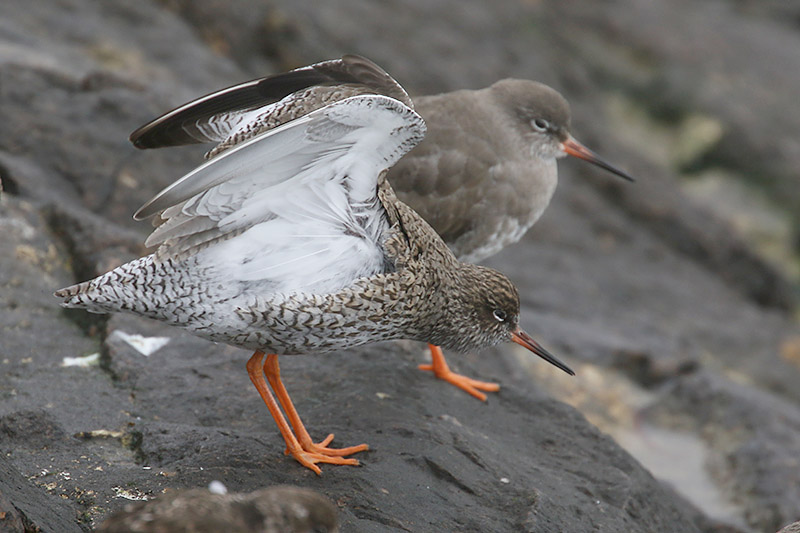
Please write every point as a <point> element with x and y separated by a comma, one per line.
<point>500,315</point>
<point>540,124</point>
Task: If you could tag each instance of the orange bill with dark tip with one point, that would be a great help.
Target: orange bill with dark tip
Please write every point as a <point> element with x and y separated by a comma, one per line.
<point>523,339</point>
<point>576,149</point>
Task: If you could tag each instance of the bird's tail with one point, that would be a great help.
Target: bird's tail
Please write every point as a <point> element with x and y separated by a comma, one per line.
<point>131,287</point>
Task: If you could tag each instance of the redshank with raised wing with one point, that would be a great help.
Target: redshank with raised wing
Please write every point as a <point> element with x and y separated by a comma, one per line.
<point>482,176</point>
<point>293,242</point>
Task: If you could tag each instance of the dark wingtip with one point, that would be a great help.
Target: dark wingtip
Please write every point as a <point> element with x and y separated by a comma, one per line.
<point>136,141</point>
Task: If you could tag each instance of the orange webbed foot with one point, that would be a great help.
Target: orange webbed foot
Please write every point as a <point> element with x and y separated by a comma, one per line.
<point>321,448</point>
<point>442,371</point>
<point>310,459</point>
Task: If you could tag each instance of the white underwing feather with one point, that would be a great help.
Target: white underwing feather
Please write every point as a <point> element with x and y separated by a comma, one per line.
<point>306,189</point>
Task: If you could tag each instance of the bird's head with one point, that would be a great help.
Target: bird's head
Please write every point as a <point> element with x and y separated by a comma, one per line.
<point>542,115</point>
<point>482,312</point>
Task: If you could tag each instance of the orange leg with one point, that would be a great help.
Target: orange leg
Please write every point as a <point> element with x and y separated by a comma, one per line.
<point>273,373</point>
<point>307,458</point>
<point>440,369</point>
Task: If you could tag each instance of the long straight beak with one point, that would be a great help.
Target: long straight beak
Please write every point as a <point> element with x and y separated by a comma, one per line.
<point>523,339</point>
<point>576,149</point>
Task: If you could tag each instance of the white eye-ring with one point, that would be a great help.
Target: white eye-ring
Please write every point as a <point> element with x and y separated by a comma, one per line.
<point>500,315</point>
<point>540,125</point>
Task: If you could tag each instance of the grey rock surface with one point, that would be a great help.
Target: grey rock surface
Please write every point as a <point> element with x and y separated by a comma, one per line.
<point>671,318</point>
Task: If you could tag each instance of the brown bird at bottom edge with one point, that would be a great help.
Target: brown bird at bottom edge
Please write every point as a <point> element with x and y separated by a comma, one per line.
<point>280,509</point>
<point>293,242</point>
<point>482,176</point>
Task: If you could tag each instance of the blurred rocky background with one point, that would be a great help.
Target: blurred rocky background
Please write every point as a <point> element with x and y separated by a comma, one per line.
<point>674,298</point>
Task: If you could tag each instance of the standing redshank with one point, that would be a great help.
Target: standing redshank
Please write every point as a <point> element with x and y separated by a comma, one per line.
<point>293,242</point>
<point>484,174</point>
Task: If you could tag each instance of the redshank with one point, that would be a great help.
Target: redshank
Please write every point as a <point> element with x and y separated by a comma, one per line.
<point>482,176</point>
<point>293,242</point>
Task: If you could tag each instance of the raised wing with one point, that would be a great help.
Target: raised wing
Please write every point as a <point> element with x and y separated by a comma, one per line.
<point>214,117</point>
<point>305,189</point>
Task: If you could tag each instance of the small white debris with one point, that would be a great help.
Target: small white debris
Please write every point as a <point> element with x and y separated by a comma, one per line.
<point>82,361</point>
<point>382,395</point>
<point>505,480</point>
<point>450,418</point>
<point>99,434</point>
<point>144,345</point>
<point>217,487</point>
<point>130,494</point>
